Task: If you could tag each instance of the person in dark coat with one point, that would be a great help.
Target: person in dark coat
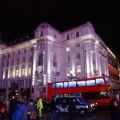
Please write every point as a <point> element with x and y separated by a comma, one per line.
<point>13,106</point>
<point>115,111</point>
<point>3,110</point>
<point>53,108</point>
<point>72,109</point>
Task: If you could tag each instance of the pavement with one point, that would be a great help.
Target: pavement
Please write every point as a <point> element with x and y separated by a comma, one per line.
<point>101,114</point>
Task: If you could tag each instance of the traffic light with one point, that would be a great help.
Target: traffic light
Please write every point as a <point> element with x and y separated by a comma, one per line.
<point>44,89</point>
<point>16,93</point>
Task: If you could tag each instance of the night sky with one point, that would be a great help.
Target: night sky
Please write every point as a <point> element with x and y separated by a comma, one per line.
<point>20,18</point>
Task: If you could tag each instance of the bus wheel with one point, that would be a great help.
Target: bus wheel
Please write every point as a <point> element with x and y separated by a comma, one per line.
<point>81,111</point>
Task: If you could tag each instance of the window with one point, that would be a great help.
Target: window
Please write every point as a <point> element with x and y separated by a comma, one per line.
<point>90,82</point>
<point>29,71</point>
<point>67,49</point>
<point>24,51</point>
<point>41,34</point>
<point>18,52</point>
<point>68,70</point>
<point>12,62</point>
<point>77,34</point>
<point>54,35</point>
<point>23,72</point>
<point>31,59</point>
<point>17,61</point>
<point>3,65</point>
<point>68,58</point>
<point>7,63</point>
<point>40,69</point>
<point>22,83</point>
<point>59,85</point>
<point>23,60</point>
<point>79,69</point>
<point>80,83</point>
<point>66,85</point>
<point>72,84</point>
<point>26,82</point>
<point>67,37</point>
<point>54,61</point>
<point>78,46</point>
<point>3,56</point>
<point>99,81</point>
<point>30,82</point>
<point>40,60</point>
<point>78,56</point>
<point>53,85</point>
<point>86,95</point>
<point>6,73</point>
<point>17,73</point>
<point>31,49</point>
<point>99,95</point>
<point>8,55</point>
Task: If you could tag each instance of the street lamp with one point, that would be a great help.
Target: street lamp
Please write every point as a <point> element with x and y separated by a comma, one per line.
<point>71,76</point>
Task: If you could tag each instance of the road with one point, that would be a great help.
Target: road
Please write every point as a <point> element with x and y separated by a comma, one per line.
<point>101,114</point>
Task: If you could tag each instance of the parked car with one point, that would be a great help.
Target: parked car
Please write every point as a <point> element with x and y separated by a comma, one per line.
<point>81,106</point>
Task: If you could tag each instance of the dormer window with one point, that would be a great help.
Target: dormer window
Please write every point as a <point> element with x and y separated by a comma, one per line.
<point>41,34</point>
<point>54,35</point>
<point>67,37</point>
<point>77,34</point>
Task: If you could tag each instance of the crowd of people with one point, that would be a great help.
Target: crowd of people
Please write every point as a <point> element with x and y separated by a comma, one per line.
<point>20,109</point>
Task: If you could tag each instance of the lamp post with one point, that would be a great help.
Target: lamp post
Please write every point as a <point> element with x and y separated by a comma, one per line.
<point>71,76</point>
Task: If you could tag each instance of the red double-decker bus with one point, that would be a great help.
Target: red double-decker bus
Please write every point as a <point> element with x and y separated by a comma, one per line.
<point>92,89</point>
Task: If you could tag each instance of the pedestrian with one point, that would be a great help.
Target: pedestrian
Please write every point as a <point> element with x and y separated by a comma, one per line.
<point>21,112</point>
<point>72,109</point>
<point>115,111</point>
<point>3,110</point>
<point>53,108</point>
<point>13,106</point>
<point>117,98</point>
<point>40,107</point>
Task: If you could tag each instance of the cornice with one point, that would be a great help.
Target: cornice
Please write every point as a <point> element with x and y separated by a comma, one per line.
<point>81,38</point>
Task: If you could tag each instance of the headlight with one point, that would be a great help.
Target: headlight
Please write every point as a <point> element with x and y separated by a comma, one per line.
<point>91,105</point>
<point>96,103</point>
<point>86,106</point>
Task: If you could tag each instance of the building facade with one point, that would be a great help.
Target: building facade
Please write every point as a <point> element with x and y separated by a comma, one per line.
<point>54,56</point>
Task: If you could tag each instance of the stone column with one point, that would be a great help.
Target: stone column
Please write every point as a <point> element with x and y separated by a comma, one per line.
<point>34,89</point>
<point>88,59</point>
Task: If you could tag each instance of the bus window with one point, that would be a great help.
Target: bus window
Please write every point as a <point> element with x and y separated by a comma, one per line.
<point>59,95</point>
<point>59,85</point>
<point>53,85</point>
<point>86,95</point>
<point>90,82</point>
<point>72,84</point>
<point>65,95</point>
<point>80,83</point>
<point>66,85</point>
<point>99,95</point>
<point>100,81</point>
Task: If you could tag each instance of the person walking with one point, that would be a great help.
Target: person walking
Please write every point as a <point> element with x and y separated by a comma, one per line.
<point>115,111</point>
<point>71,109</point>
<point>39,107</point>
<point>53,108</point>
<point>21,112</point>
<point>3,110</point>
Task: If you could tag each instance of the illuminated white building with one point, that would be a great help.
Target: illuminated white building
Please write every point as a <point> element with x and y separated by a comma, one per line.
<point>53,56</point>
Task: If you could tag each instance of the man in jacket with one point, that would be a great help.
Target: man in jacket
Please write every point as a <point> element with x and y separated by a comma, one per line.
<point>72,109</point>
<point>39,107</point>
<point>53,108</point>
<point>21,112</point>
